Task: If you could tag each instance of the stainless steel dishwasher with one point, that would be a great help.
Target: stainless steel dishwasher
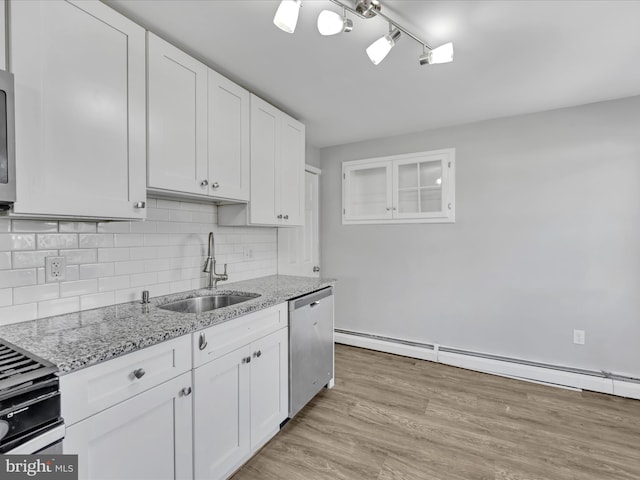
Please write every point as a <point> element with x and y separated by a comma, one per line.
<point>310,347</point>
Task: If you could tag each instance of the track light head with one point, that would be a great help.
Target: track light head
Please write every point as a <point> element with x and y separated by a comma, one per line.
<point>286,16</point>
<point>331,23</point>
<point>381,47</point>
<point>441,54</point>
<point>368,8</point>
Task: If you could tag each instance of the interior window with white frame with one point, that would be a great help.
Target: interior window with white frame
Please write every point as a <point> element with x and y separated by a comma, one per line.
<point>409,188</point>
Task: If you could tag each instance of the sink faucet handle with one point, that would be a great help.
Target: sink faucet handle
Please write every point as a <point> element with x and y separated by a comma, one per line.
<point>145,296</point>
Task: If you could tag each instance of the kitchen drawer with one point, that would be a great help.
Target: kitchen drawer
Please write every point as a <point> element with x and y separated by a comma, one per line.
<point>101,386</point>
<point>218,340</point>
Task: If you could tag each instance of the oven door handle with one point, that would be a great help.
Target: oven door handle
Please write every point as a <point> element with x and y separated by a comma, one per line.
<point>38,443</point>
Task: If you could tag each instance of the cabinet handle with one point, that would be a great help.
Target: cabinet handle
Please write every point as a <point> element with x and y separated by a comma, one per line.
<point>204,183</point>
<point>139,204</point>
<point>186,391</point>
<point>394,209</point>
<point>257,354</point>
<point>246,360</point>
<point>202,342</point>
<point>286,217</point>
<point>388,208</point>
<point>139,373</point>
<point>316,269</point>
<point>314,304</point>
<point>215,185</point>
<point>449,206</point>
<point>280,217</point>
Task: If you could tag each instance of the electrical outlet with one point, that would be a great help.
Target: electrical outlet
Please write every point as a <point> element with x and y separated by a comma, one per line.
<point>578,337</point>
<point>55,269</point>
<point>248,253</point>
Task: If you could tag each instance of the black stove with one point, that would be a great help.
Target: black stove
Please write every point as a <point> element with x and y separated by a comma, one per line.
<point>29,397</point>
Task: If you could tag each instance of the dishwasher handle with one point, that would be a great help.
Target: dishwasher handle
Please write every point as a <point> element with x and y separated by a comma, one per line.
<point>312,299</point>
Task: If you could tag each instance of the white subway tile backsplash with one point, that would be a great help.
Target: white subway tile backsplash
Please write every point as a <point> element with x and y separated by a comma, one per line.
<point>31,259</point>
<point>6,297</point>
<point>78,227</point>
<point>97,300</point>
<point>142,253</point>
<point>17,278</point>
<point>144,279</point>
<point>114,227</point>
<point>60,306</point>
<point>79,287</point>
<point>128,240</point>
<point>143,227</point>
<point>127,268</point>
<point>34,226</point>
<point>95,270</point>
<point>18,313</point>
<point>5,260</point>
<point>17,241</point>
<point>57,241</point>
<point>112,262</point>
<point>96,240</point>
<point>108,284</point>
<point>37,293</point>
<point>113,254</point>
<point>80,256</point>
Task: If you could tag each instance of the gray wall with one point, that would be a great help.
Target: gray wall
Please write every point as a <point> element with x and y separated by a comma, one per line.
<point>546,239</point>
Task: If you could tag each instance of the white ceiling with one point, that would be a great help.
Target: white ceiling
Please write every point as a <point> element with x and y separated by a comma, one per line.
<point>511,57</point>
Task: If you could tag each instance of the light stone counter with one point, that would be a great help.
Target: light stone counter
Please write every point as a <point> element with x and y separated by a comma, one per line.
<point>80,339</point>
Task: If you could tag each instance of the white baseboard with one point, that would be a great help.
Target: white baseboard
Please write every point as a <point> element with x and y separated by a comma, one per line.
<point>385,346</point>
<point>538,374</point>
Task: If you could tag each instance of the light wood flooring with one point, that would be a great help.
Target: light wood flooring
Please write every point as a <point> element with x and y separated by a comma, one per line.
<point>393,418</point>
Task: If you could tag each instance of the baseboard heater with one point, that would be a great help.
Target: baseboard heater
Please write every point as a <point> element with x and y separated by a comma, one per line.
<point>556,375</point>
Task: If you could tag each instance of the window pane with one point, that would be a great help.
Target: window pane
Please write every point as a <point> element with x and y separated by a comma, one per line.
<point>408,175</point>
<point>368,191</point>
<point>430,200</point>
<point>408,201</point>
<point>431,174</point>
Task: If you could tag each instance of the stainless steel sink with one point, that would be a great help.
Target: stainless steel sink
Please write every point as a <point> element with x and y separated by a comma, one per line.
<point>207,302</point>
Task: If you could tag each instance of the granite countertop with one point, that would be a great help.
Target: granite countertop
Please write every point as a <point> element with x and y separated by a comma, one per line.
<point>78,340</point>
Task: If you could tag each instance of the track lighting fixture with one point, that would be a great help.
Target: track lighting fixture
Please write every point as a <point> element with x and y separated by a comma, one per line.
<point>286,16</point>
<point>331,23</point>
<point>442,54</point>
<point>381,47</point>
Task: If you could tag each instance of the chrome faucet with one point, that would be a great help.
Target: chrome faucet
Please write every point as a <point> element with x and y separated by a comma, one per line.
<point>210,266</point>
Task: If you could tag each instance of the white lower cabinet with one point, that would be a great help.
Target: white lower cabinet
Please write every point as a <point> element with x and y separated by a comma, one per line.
<point>194,407</point>
<point>145,437</point>
<point>240,400</point>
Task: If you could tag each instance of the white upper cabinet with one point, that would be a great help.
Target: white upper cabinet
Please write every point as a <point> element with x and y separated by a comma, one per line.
<point>229,156</point>
<point>198,127</point>
<point>277,171</point>
<point>177,119</point>
<point>80,110</point>
<point>411,188</point>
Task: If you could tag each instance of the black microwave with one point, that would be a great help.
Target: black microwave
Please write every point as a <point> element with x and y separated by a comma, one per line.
<point>7,142</point>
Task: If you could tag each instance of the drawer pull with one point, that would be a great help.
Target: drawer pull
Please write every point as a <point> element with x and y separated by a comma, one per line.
<point>202,342</point>
<point>257,354</point>
<point>186,391</point>
<point>139,373</point>
<point>314,304</point>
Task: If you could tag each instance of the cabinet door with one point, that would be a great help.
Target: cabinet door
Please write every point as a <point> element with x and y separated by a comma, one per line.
<point>290,179</point>
<point>269,386</point>
<point>265,150</point>
<point>146,437</point>
<point>229,122</point>
<point>177,119</point>
<point>420,187</point>
<point>221,415</point>
<point>367,191</point>
<point>80,109</point>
